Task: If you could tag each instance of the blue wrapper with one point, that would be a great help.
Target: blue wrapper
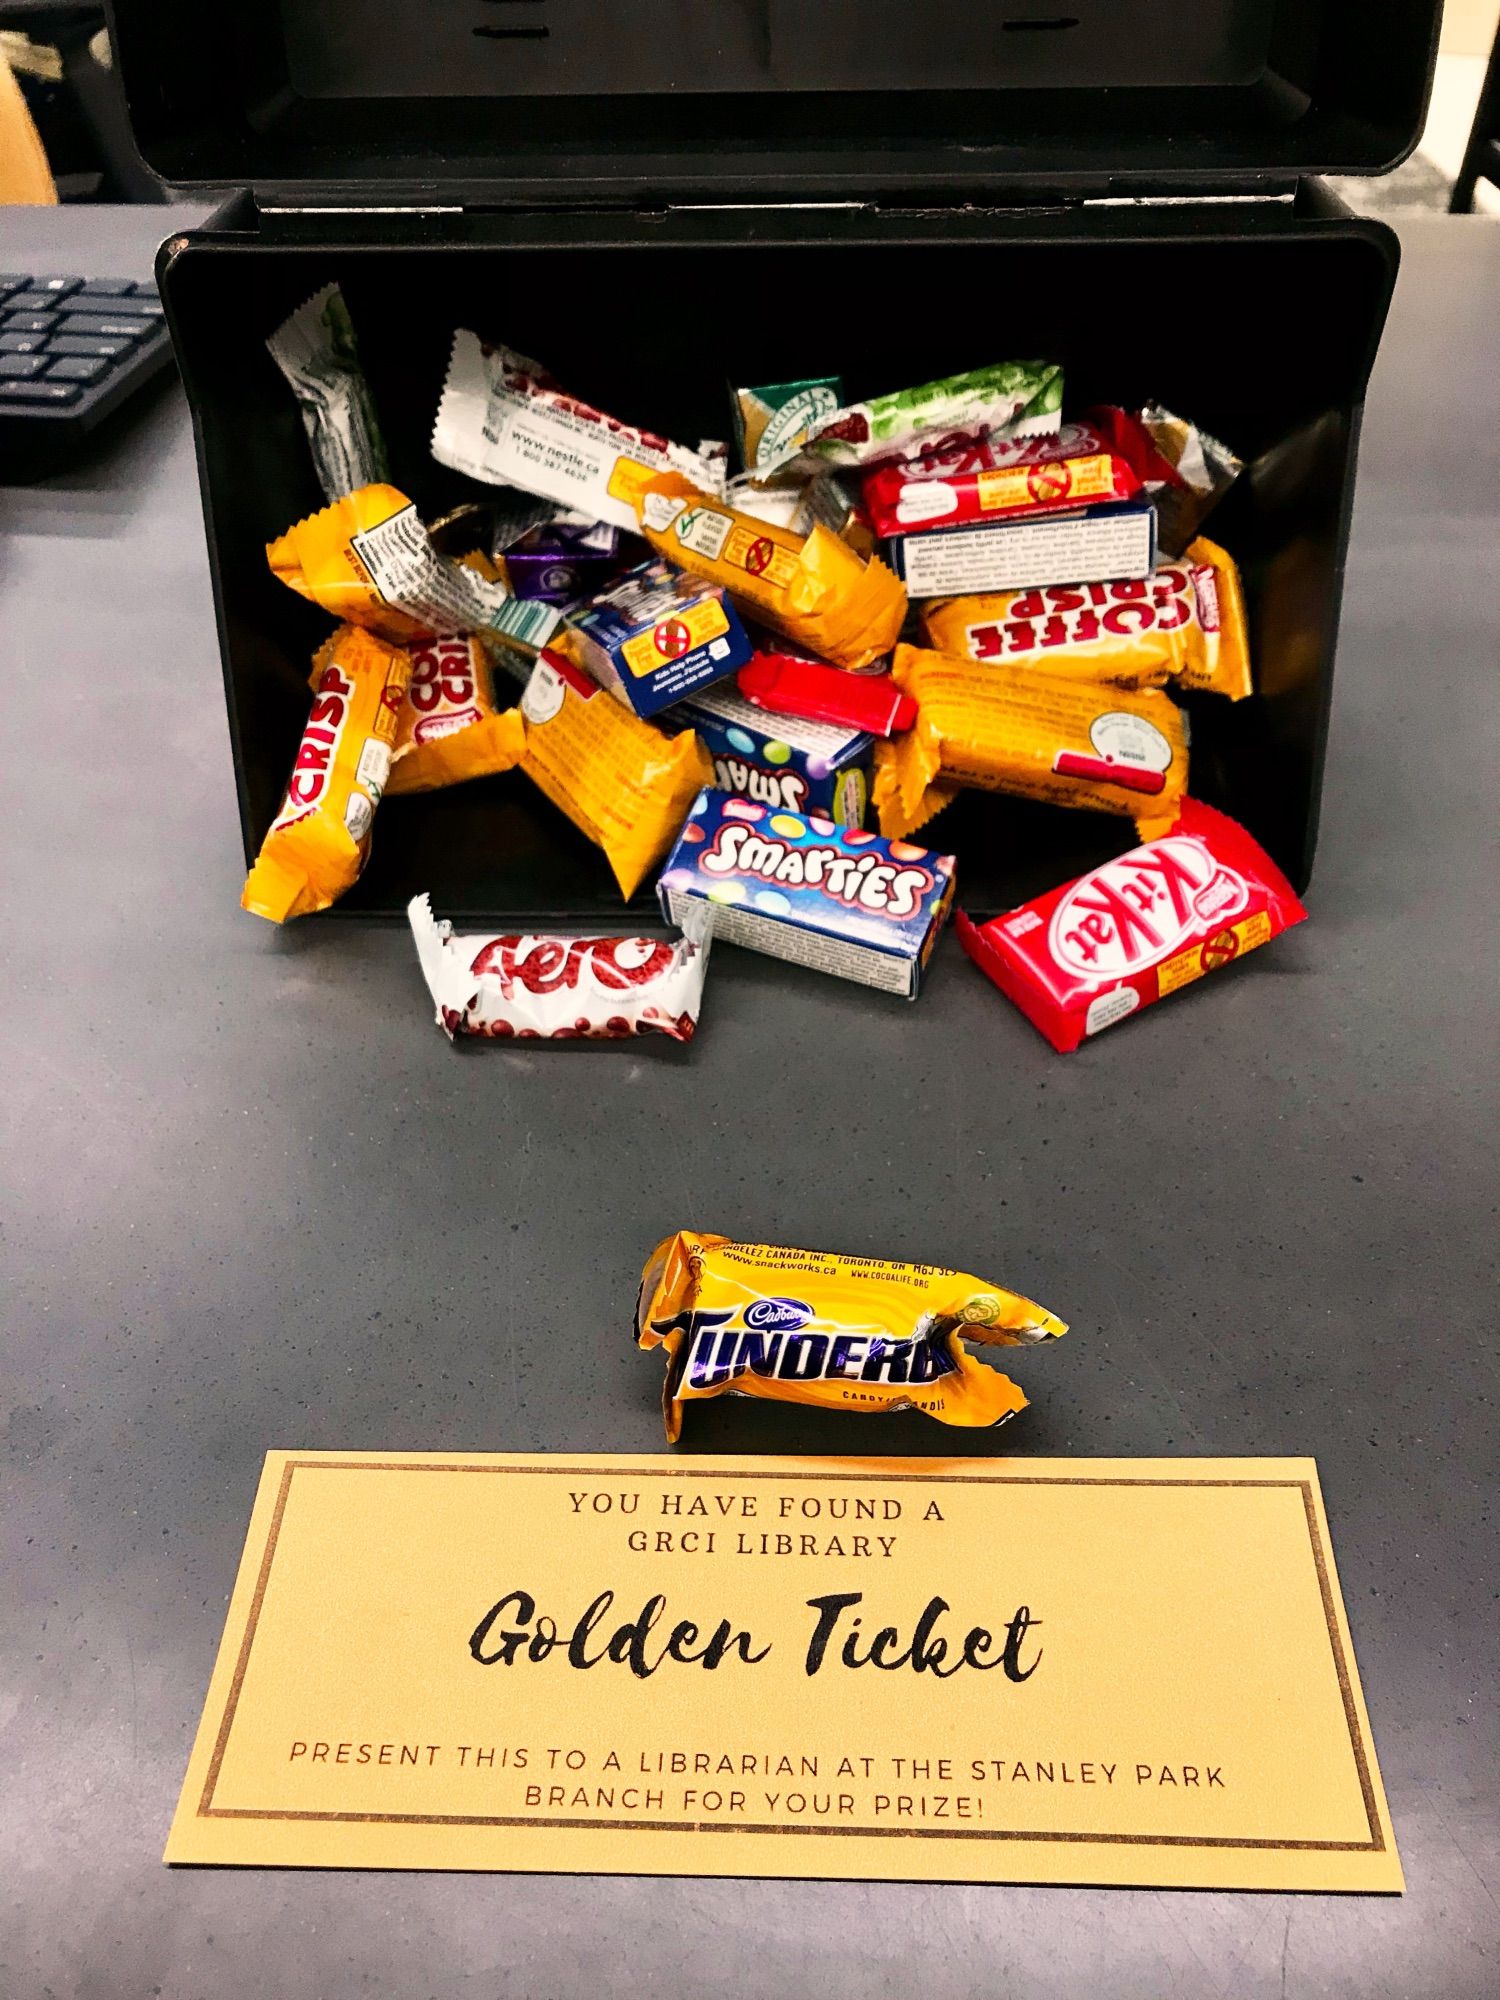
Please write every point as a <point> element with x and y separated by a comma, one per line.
<point>778,761</point>
<point>797,887</point>
<point>656,635</point>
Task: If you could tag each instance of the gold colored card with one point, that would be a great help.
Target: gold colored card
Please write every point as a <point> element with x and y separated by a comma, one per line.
<point>1035,1670</point>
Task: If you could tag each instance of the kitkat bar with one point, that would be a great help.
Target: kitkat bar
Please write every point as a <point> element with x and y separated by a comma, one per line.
<point>1124,936</point>
<point>783,684</point>
<point>991,479</point>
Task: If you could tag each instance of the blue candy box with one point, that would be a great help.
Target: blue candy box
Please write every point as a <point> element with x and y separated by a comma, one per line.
<point>776,760</point>
<point>796,886</point>
<point>657,634</point>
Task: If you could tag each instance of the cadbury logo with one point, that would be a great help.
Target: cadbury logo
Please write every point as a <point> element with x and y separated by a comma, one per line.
<point>1132,912</point>
<point>777,1315</point>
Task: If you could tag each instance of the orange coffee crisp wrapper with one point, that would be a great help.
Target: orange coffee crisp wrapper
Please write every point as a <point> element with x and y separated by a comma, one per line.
<point>320,840</point>
<point>1186,623</point>
<point>1039,735</point>
<point>813,588</point>
<point>451,727</point>
<point>368,559</point>
<point>846,1333</point>
<point>621,780</point>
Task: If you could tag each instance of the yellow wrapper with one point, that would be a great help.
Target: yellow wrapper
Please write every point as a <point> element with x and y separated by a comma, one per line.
<point>621,780</point>
<point>803,1326</point>
<point>1186,623</point>
<point>451,727</point>
<point>368,559</point>
<point>320,840</point>
<point>1041,735</point>
<point>813,589</point>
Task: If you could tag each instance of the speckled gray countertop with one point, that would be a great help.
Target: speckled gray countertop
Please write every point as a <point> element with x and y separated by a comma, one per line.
<point>251,1198</point>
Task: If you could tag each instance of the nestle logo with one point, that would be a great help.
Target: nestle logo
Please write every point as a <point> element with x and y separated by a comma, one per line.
<point>777,1315</point>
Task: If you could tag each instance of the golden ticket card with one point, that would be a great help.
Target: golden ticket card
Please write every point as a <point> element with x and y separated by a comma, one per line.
<point>1007,1670</point>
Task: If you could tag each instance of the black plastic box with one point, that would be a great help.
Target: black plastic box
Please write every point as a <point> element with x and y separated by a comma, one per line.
<point>660,199</point>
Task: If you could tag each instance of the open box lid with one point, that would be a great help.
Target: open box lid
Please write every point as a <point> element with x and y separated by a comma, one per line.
<point>367,103</point>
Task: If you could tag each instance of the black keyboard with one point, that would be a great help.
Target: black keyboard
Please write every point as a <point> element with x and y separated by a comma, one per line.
<point>71,351</point>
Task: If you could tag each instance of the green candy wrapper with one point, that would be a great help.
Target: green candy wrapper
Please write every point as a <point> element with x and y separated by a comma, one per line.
<point>1007,399</point>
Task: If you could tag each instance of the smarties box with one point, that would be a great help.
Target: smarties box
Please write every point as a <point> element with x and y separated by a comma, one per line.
<point>798,887</point>
<point>779,761</point>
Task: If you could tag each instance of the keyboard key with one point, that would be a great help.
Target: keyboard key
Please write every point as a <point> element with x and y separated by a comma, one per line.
<point>36,317</point>
<point>15,322</point>
<point>58,287</point>
<point>111,328</point>
<point>12,281</point>
<point>143,307</point>
<point>22,343</point>
<point>70,343</point>
<point>33,301</point>
<point>39,392</point>
<point>15,366</point>
<point>106,288</point>
<point>76,368</point>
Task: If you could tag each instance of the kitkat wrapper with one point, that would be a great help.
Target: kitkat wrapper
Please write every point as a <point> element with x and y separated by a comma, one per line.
<point>844,1333</point>
<point>451,727</point>
<point>319,841</point>
<point>813,589</point>
<point>367,559</point>
<point>1038,735</point>
<point>1186,623</point>
<point>623,782</point>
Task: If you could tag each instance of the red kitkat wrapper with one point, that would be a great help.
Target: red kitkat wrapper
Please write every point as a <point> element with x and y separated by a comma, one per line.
<point>994,479</point>
<point>1126,935</point>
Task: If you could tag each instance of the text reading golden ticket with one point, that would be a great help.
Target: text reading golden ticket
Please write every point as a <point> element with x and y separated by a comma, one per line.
<point>1084,1670</point>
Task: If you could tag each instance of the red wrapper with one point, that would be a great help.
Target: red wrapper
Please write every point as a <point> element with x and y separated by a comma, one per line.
<point>562,989</point>
<point>785,685</point>
<point>994,479</point>
<point>1085,955</point>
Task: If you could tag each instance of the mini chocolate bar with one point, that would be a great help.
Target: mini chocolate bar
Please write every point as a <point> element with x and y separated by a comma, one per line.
<point>994,479</point>
<point>800,888</point>
<point>657,634</point>
<point>503,419</point>
<point>787,684</point>
<point>1127,934</point>
<point>557,563</point>
<point>530,987</point>
<point>1115,539</point>
<point>1009,398</point>
<point>798,766</point>
<point>845,1333</point>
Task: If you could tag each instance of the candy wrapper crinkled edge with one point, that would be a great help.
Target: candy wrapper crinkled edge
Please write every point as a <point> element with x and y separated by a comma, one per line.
<point>529,986</point>
<point>315,350</point>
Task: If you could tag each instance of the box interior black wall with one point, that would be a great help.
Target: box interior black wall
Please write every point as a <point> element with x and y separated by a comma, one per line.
<point>1261,322</point>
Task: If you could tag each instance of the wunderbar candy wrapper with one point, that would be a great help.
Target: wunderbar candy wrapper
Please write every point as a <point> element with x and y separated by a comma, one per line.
<point>319,841</point>
<point>626,784</point>
<point>316,351</point>
<point>451,727</point>
<point>813,589</point>
<point>1127,934</point>
<point>1039,735</point>
<point>1008,398</point>
<point>503,419</point>
<point>1184,623</point>
<point>845,1333</point>
<point>367,559</point>
<point>528,987</point>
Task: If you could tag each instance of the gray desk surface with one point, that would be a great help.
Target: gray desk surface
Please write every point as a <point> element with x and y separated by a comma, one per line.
<point>252,1199</point>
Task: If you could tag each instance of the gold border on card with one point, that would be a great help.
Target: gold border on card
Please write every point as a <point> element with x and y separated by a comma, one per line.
<point>1374,1845</point>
